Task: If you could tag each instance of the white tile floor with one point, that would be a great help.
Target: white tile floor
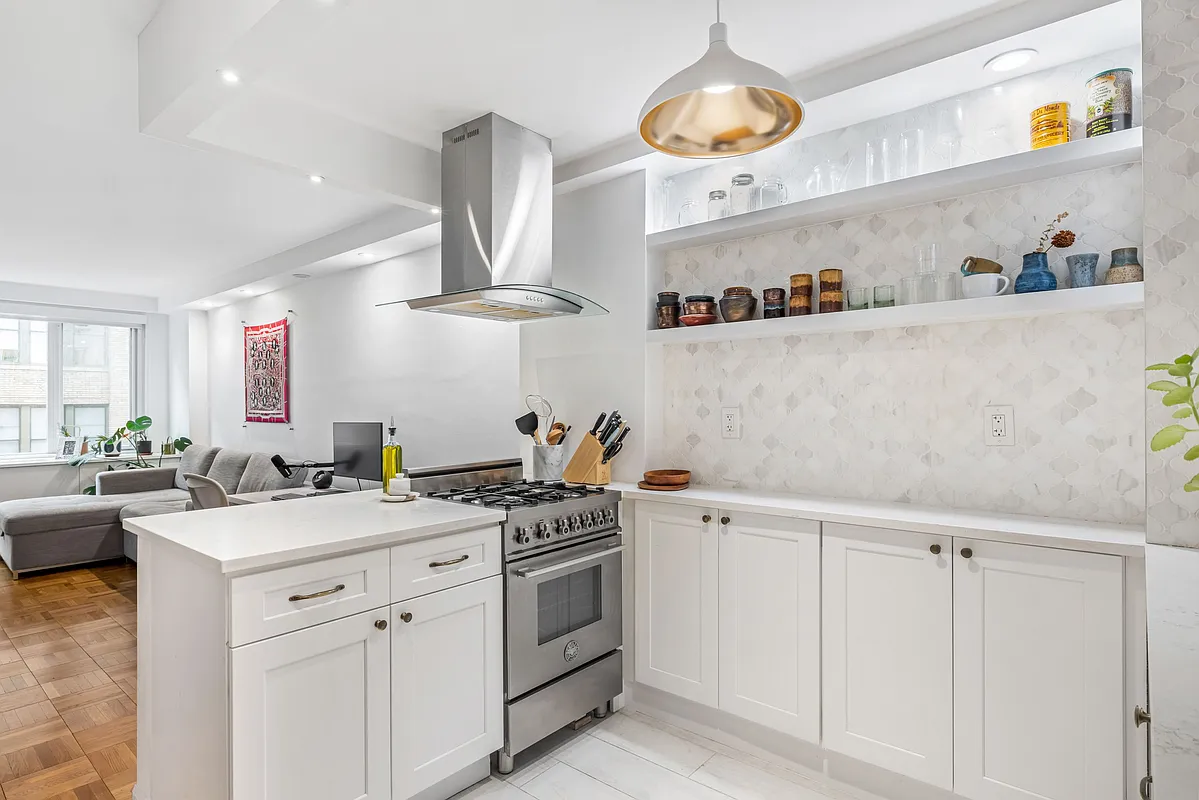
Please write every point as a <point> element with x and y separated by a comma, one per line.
<point>631,755</point>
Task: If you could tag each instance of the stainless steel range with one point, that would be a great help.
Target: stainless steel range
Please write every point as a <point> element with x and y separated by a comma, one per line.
<point>562,579</point>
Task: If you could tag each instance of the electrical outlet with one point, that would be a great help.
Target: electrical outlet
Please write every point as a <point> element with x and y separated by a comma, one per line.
<point>730,423</point>
<point>1000,426</point>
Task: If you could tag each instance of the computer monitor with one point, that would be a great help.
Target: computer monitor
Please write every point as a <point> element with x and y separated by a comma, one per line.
<point>358,450</point>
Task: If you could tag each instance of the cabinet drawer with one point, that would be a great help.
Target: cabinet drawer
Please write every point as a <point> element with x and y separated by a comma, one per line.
<point>297,597</point>
<point>435,564</point>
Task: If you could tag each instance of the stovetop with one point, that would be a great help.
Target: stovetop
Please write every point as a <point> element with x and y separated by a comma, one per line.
<point>518,494</point>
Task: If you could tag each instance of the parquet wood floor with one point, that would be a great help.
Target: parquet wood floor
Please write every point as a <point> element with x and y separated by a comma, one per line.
<point>68,684</point>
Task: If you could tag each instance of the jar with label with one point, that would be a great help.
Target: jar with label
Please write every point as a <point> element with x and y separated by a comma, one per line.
<point>1109,102</point>
<point>1049,125</point>
<point>718,204</point>
<point>743,196</point>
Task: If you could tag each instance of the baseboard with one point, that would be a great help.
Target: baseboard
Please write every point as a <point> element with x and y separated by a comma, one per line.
<point>457,782</point>
<point>777,748</point>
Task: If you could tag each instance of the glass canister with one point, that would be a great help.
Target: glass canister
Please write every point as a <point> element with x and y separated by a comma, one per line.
<point>743,195</point>
<point>773,193</point>
<point>718,204</point>
<point>689,213</point>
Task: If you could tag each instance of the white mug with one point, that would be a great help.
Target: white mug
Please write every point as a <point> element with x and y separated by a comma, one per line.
<point>984,284</point>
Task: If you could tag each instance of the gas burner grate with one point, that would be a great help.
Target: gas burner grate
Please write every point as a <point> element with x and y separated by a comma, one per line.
<point>523,494</point>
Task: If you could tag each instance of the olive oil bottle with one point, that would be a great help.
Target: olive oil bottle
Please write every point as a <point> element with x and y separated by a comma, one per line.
<point>393,457</point>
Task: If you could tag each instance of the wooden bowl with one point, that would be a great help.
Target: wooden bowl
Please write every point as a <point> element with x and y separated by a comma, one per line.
<point>697,319</point>
<point>668,477</point>
<point>651,487</point>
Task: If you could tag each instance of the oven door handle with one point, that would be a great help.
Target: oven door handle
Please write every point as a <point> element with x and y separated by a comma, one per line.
<point>530,572</point>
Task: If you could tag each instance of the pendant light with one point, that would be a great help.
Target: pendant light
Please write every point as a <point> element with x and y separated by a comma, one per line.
<point>722,105</point>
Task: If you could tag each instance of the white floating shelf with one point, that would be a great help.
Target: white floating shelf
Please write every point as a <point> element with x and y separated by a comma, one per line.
<point>1122,147</point>
<point>1011,306</point>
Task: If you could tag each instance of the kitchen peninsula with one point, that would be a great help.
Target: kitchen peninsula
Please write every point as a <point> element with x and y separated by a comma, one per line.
<point>336,646</point>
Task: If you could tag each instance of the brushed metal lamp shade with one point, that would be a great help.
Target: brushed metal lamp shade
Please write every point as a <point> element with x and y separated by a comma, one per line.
<point>722,105</point>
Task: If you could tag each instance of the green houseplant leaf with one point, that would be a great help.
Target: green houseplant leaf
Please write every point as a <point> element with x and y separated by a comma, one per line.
<point>1192,454</point>
<point>1180,370</point>
<point>1183,413</point>
<point>1184,359</point>
<point>1192,485</point>
<point>1178,396</point>
<point>1164,386</point>
<point>1167,437</point>
<point>1158,366</point>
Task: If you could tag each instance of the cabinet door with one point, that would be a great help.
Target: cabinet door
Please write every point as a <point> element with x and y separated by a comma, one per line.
<point>888,649</point>
<point>770,621</point>
<point>677,583</point>
<point>1039,673</point>
<point>310,713</point>
<point>447,683</point>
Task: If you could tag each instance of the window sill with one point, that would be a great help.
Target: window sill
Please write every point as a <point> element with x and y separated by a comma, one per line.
<point>28,460</point>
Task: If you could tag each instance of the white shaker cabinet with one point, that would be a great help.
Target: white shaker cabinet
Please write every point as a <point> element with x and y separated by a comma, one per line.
<point>888,649</point>
<point>310,713</point>
<point>676,588</point>
<point>1039,679</point>
<point>770,621</point>
<point>447,683</point>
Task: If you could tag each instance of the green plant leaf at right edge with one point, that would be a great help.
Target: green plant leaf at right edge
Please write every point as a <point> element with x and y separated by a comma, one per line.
<point>1183,413</point>
<point>1192,454</point>
<point>1167,437</point>
<point>1180,370</point>
<point>1192,485</point>
<point>1158,366</point>
<point>1178,396</point>
<point>1164,386</point>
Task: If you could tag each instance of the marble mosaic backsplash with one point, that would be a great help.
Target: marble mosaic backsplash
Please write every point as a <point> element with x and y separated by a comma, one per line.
<point>898,414</point>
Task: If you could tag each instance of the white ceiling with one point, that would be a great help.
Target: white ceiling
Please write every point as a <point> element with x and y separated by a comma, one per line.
<point>577,72</point>
<point>87,201</point>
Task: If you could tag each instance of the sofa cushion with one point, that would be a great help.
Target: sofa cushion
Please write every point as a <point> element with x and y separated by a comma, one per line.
<point>197,460</point>
<point>152,508</point>
<point>227,469</point>
<point>40,514</point>
<point>153,496</point>
<point>261,476</point>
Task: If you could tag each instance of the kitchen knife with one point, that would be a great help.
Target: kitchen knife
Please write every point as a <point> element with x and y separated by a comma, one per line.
<point>611,452</point>
<point>613,447</point>
<point>599,421</point>
<point>613,423</point>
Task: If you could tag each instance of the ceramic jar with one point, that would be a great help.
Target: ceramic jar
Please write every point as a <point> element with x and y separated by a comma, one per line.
<point>1082,269</point>
<point>800,303</point>
<point>1125,268</point>
<point>1035,275</point>
<point>774,303</point>
<point>832,294</point>
<point>738,304</point>
<point>704,304</point>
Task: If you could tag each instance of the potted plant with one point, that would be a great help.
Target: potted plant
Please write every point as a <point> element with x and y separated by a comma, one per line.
<point>1181,397</point>
<point>136,429</point>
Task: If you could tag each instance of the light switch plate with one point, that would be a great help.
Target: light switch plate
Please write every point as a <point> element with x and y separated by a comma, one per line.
<point>1000,426</point>
<point>730,422</point>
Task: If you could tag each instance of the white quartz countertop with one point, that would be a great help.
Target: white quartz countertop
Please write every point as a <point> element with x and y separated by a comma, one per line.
<point>265,535</point>
<point>1098,537</point>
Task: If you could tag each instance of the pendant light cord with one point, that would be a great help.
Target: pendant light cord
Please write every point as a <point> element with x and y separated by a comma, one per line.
<point>718,10</point>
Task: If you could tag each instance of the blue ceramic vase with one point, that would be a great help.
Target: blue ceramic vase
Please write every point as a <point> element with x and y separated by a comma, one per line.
<point>1082,269</point>
<point>1035,276</point>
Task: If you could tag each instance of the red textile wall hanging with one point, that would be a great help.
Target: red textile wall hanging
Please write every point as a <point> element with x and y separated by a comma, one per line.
<point>266,373</point>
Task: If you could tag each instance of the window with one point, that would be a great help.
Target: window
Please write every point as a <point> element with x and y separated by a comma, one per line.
<point>78,376</point>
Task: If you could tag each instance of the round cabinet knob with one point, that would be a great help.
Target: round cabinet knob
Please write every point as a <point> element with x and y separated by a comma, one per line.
<point>725,520</point>
<point>935,549</point>
<point>406,617</point>
<point>967,552</point>
<point>706,518</point>
<point>381,624</point>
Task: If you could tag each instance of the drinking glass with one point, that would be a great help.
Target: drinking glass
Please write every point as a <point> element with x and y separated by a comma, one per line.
<point>911,153</point>
<point>689,213</point>
<point>880,161</point>
<point>662,204</point>
<point>909,291</point>
<point>859,299</point>
<point>946,286</point>
<point>884,296</point>
<point>950,123</point>
<point>743,194</point>
<point>773,193</point>
<point>718,204</point>
<point>926,258</point>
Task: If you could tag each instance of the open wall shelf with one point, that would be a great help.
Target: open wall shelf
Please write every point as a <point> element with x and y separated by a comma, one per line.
<point>1122,147</point>
<point>1014,306</point>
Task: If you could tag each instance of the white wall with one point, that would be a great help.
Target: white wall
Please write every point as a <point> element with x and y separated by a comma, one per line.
<point>585,366</point>
<point>450,382</point>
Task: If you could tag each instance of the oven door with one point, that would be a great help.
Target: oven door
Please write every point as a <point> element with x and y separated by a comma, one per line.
<point>563,611</point>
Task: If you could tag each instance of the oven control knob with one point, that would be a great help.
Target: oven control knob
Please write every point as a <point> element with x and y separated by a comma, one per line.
<point>588,521</point>
<point>576,523</point>
<point>563,526</point>
<point>543,530</point>
<point>522,536</point>
<point>610,516</point>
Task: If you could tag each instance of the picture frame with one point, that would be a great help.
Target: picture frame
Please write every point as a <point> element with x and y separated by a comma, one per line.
<point>68,447</point>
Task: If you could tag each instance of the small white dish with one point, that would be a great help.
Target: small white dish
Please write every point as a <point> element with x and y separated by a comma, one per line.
<point>400,498</point>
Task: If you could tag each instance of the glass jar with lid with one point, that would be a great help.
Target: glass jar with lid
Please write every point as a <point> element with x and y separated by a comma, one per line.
<point>718,204</point>
<point>743,196</point>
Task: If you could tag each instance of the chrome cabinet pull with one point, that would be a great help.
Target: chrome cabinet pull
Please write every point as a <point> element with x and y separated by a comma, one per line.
<point>935,549</point>
<point>529,572</point>
<point>451,562</point>
<point>295,598</point>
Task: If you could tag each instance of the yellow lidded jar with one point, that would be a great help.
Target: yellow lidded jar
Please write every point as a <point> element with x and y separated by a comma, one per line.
<point>1049,125</point>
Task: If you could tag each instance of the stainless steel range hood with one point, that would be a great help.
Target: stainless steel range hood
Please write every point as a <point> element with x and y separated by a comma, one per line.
<point>496,230</point>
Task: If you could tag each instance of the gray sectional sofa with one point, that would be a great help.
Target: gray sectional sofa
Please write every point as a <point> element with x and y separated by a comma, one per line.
<point>44,532</point>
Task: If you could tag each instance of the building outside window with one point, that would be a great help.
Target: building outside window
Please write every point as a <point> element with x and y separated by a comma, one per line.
<point>91,373</point>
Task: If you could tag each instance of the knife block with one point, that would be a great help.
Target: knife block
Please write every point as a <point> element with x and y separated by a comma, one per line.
<point>586,465</point>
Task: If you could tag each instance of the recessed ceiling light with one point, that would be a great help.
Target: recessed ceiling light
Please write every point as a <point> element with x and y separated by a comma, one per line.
<point>317,178</point>
<point>1013,59</point>
<point>230,77</point>
<point>301,275</point>
<point>434,210</point>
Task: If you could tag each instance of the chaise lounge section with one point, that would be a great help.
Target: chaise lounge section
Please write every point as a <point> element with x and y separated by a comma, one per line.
<point>46,532</point>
